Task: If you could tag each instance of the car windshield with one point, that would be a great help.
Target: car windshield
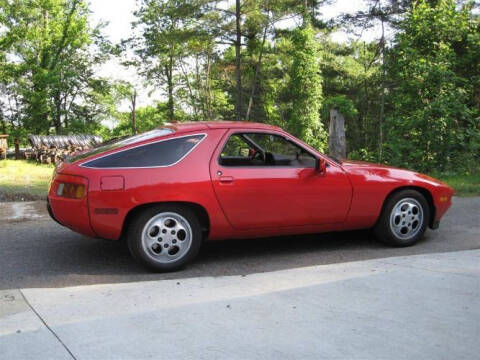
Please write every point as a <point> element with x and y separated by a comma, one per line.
<point>119,142</point>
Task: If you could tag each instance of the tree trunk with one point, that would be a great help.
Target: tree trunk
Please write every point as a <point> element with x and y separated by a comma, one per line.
<point>57,121</point>
<point>4,124</point>
<point>337,144</point>
<point>257,71</point>
<point>134,109</point>
<point>170,104</point>
<point>208,89</point>
<point>190,90</point>
<point>382,97</point>
<point>38,107</point>
<point>201,95</point>
<point>16,142</point>
<point>366,103</point>
<point>238,63</point>
<point>65,113</point>
<point>305,18</point>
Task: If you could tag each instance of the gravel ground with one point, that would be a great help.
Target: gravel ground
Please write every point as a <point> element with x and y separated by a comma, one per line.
<point>9,197</point>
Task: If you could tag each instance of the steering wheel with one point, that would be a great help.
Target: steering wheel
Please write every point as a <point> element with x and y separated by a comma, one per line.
<point>257,155</point>
<point>297,154</point>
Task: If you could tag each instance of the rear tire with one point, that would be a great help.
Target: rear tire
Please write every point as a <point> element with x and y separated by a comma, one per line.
<point>165,237</point>
<point>404,219</point>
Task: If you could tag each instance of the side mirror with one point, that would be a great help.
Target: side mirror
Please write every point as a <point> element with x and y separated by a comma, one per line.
<point>320,165</point>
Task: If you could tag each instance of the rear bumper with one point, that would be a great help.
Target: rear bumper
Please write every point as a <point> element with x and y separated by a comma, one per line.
<point>72,213</point>
<point>50,212</point>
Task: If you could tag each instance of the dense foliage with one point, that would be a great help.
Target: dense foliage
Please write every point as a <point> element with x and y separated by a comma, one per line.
<point>306,89</point>
<point>435,66</point>
<point>410,100</point>
<point>48,55</point>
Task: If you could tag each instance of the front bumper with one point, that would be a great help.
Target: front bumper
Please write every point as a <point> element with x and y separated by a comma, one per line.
<point>435,225</point>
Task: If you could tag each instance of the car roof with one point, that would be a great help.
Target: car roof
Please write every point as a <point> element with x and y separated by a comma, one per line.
<point>205,125</point>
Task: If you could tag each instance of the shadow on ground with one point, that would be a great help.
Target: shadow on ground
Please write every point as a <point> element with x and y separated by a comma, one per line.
<point>44,254</point>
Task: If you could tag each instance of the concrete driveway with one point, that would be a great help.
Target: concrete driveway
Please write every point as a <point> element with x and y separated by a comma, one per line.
<point>320,296</point>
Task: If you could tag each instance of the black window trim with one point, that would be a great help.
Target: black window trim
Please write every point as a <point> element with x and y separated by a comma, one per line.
<point>263,166</point>
<point>83,164</point>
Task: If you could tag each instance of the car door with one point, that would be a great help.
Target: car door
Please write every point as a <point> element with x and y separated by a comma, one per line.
<point>279,187</point>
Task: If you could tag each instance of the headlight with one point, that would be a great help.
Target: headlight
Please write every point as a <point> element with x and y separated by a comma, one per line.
<point>71,191</point>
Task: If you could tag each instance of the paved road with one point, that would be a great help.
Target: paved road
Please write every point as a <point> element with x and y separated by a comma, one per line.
<point>64,296</point>
<point>43,254</point>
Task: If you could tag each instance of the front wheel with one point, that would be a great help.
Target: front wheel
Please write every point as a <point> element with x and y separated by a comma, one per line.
<point>404,219</point>
<point>165,238</point>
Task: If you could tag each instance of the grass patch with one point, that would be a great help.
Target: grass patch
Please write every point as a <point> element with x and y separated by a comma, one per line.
<point>22,179</point>
<point>27,180</point>
<point>464,185</point>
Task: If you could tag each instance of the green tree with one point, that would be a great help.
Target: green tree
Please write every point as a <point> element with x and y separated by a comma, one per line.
<point>306,89</point>
<point>164,29</point>
<point>352,82</point>
<point>147,118</point>
<point>49,55</point>
<point>434,124</point>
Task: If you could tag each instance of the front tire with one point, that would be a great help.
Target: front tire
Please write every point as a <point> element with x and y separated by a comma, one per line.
<point>165,237</point>
<point>404,219</point>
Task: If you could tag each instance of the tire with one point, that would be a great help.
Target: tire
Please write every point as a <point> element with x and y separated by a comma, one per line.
<point>404,219</point>
<point>165,237</point>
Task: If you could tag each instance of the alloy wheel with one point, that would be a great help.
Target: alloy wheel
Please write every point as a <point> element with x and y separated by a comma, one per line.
<point>166,237</point>
<point>406,218</point>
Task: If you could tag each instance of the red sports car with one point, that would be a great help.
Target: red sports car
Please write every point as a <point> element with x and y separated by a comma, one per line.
<point>167,190</point>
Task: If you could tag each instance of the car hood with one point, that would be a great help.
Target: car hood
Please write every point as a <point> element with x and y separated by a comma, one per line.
<point>348,164</point>
<point>372,171</point>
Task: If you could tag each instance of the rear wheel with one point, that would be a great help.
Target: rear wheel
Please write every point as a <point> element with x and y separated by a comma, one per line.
<point>404,219</point>
<point>165,238</point>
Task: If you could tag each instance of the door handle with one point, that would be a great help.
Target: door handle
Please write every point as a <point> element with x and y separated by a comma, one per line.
<point>226,179</point>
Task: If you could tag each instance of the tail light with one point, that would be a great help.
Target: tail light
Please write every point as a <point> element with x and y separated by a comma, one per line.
<point>71,191</point>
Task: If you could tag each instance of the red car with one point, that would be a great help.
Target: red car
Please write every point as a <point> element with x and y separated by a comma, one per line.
<point>167,190</point>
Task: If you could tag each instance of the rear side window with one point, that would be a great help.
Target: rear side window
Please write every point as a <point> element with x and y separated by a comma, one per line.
<point>161,153</point>
<point>116,143</point>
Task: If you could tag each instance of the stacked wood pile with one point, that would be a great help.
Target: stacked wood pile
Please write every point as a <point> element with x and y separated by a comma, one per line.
<point>51,149</point>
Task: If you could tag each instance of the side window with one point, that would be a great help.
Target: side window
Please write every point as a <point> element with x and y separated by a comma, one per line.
<point>116,143</point>
<point>275,144</point>
<point>238,152</point>
<point>162,153</point>
<point>263,149</point>
<point>236,147</point>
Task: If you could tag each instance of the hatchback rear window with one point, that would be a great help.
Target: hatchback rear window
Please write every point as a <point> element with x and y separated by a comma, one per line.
<point>157,154</point>
<point>116,143</point>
